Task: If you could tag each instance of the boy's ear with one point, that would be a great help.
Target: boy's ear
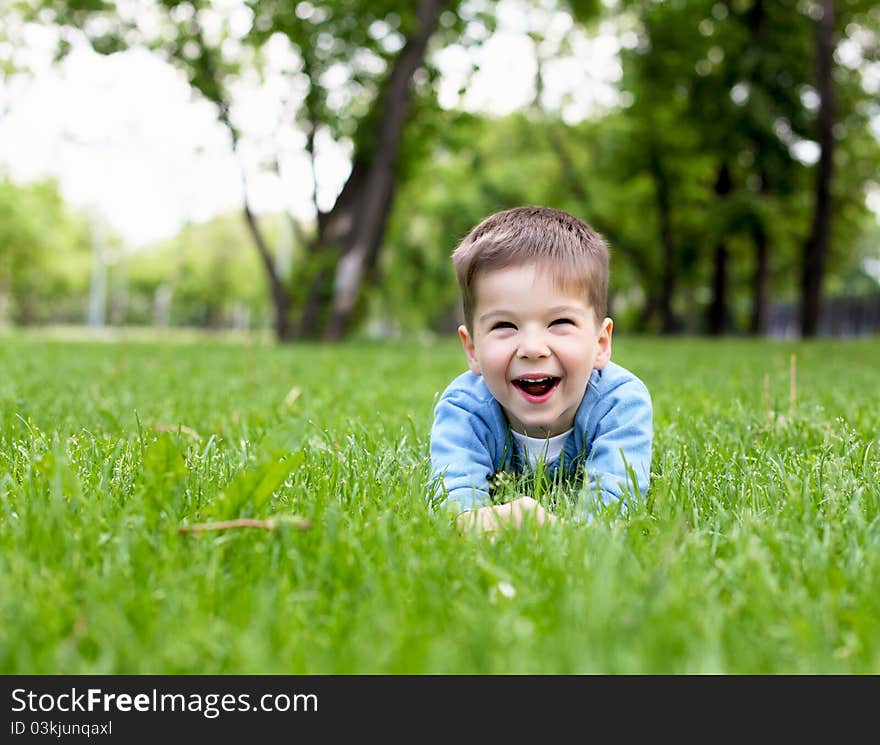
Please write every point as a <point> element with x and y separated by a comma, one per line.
<point>604,344</point>
<point>469,349</point>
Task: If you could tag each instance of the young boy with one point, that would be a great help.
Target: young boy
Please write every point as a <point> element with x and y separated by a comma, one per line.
<point>541,384</point>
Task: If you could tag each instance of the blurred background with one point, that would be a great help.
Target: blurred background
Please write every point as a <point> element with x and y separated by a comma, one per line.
<point>306,168</point>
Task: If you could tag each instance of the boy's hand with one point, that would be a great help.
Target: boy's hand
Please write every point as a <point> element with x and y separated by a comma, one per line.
<point>494,517</point>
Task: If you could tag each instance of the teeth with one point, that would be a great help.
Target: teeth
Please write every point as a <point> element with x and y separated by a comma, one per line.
<point>536,380</point>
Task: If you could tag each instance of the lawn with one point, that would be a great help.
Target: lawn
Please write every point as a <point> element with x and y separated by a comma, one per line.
<point>757,549</point>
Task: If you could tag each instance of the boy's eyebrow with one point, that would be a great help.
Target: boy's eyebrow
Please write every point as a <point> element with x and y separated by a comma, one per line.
<point>573,309</point>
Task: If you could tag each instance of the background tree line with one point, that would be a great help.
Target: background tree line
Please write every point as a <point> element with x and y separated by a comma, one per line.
<point>731,175</point>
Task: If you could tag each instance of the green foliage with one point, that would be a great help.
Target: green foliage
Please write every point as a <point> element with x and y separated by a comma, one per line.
<point>253,488</point>
<point>45,255</point>
<point>713,83</point>
<point>210,272</point>
<point>705,84</point>
<point>755,552</point>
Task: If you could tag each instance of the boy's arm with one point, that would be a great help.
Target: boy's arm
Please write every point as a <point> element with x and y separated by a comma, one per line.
<point>621,447</point>
<point>461,462</point>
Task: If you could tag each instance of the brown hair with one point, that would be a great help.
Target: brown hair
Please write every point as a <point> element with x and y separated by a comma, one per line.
<point>576,254</point>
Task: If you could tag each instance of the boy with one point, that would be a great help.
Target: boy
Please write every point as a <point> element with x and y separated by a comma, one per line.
<point>541,385</point>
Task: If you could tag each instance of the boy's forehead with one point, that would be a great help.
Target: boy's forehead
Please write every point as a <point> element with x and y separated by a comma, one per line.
<point>540,271</point>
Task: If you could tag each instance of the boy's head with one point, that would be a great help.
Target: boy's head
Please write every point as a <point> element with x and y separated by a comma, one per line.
<point>575,256</point>
<point>533,282</point>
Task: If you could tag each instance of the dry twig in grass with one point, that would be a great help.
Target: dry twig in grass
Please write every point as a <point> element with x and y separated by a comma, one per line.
<point>181,428</point>
<point>271,523</point>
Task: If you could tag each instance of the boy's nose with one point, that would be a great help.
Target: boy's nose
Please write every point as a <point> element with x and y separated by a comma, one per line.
<point>532,346</point>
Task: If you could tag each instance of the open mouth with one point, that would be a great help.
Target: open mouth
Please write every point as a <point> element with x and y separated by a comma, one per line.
<point>537,388</point>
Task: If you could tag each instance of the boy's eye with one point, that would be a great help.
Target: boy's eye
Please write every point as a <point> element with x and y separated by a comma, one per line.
<point>502,325</point>
<point>559,321</point>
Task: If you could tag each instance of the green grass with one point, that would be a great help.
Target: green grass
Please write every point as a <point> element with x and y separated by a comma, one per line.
<point>757,551</point>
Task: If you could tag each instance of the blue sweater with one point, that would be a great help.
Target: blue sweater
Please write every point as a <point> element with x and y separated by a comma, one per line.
<point>470,439</point>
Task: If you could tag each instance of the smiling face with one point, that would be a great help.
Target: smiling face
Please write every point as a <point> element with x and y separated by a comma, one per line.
<point>535,345</point>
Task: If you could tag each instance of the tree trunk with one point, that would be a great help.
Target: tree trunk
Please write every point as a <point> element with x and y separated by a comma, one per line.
<point>97,311</point>
<point>816,247</point>
<point>760,280</point>
<point>717,314</point>
<point>356,225</point>
<point>668,324</point>
<point>334,230</point>
<point>280,299</point>
<point>761,276</point>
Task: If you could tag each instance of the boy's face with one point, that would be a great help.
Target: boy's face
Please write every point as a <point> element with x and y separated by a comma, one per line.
<point>535,346</point>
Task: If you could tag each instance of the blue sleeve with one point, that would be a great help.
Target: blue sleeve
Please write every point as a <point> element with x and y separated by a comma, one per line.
<point>619,461</point>
<point>461,461</point>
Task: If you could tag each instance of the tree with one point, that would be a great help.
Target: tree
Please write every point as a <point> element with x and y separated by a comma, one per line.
<point>350,235</point>
<point>352,72</point>
<point>44,255</point>
<point>733,76</point>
